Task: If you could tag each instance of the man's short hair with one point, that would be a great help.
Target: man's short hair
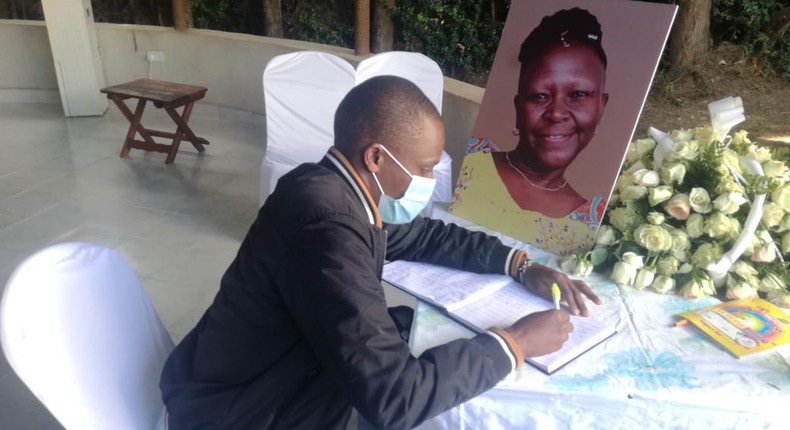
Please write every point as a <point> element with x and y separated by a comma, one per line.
<point>384,109</point>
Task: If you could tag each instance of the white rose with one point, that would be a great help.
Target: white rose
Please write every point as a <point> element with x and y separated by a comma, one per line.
<point>679,206</point>
<point>646,177</point>
<point>686,150</point>
<point>633,192</point>
<point>644,277</point>
<point>771,283</point>
<point>782,300</point>
<point>785,224</point>
<point>728,185</point>
<point>764,253</point>
<point>681,135</point>
<point>705,136</point>
<point>729,203</point>
<point>639,165</point>
<point>623,273</point>
<point>659,194</point>
<point>717,225</point>
<point>751,245</point>
<point>782,197</point>
<point>568,263</point>
<point>631,155</point>
<point>652,237</point>
<point>732,160</point>
<point>700,200</point>
<point>655,218</point>
<point>667,266</point>
<point>694,225</point>
<point>759,153</point>
<point>746,271</point>
<point>705,254</point>
<point>773,214</point>
<point>624,219</point>
<point>775,169</point>
<point>643,146</point>
<point>735,228</point>
<point>605,235</point>
<point>680,240</point>
<point>697,288</point>
<point>672,173</point>
<point>663,284</point>
<point>635,260</point>
<point>576,266</point>
<point>786,243</point>
<point>739,138</point>
<point>741,290</point>
<point>624,181</point>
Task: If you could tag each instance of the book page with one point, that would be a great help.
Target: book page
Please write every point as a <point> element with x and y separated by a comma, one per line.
<point>483,301</point>
<point>507,305</point>
<point>446,287</point>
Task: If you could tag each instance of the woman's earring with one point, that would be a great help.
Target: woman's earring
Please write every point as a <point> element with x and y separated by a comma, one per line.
<point>515,131</point>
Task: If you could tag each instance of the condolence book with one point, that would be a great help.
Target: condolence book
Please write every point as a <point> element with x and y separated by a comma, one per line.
<point>743,326</point>
<point>483,301</point>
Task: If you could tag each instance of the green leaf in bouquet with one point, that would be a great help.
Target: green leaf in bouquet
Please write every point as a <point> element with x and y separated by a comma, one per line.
<point>760,185</point>
<point>704,170</point>
<point>628,246</point>
<point>640,207</point>
<point>599,255</point>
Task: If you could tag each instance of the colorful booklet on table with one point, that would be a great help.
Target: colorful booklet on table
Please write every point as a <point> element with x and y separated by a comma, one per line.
<point>743,327</point>
<point>480,301</point>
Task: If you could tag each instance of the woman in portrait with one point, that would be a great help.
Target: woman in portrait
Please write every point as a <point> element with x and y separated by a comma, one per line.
<point>560,100</point>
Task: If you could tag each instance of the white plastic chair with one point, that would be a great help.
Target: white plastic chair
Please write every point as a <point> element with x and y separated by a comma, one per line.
<point>80,331</point>
<point>302,91</point>
<point>427,75</point>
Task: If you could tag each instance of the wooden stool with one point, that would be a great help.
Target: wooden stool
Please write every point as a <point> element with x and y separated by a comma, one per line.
<point>167,95</point>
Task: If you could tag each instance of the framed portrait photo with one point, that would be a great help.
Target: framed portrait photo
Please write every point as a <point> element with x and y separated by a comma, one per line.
<point>563,98</point>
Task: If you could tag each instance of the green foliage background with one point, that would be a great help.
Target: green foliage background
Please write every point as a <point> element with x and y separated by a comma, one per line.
<point>461,35</point>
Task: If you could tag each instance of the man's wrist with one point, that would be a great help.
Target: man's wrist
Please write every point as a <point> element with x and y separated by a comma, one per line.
<point>518,259</point>
<point>521,263</point>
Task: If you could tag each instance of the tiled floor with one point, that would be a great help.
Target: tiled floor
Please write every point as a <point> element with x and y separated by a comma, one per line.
<point>178,226</point>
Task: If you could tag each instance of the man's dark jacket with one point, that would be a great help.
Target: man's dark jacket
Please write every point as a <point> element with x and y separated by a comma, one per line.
<point>299,330</point>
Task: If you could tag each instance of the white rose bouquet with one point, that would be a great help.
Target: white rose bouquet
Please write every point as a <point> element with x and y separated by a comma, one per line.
<point>671,222</point>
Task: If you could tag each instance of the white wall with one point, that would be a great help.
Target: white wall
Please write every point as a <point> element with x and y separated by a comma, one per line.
<point>230,65</point>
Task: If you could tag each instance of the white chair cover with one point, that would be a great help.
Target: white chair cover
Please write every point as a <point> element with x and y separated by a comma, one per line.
<point>80,331</point>
<point>302,91</point>
<point>427,75</point>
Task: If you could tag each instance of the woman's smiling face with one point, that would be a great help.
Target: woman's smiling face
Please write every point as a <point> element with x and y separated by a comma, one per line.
<point>559,104</point>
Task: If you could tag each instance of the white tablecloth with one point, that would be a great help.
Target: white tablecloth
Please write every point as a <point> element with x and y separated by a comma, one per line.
<point>650,375</point>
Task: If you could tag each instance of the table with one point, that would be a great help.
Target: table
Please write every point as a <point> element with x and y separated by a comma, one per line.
<point>167,95</point>
<point>650,375</point>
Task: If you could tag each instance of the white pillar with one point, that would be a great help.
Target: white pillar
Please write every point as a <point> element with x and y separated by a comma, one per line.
<point>75,51</point>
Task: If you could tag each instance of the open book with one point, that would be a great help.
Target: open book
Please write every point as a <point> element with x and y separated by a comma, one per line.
<point>483,301</point>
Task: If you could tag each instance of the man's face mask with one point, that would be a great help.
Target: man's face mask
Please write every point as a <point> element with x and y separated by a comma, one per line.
<point>414,200</point>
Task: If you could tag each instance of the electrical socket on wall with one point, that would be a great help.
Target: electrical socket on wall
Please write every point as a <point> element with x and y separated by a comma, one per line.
<point>152,56</point>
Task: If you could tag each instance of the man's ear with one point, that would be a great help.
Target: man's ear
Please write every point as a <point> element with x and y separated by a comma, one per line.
<point>372,157</point>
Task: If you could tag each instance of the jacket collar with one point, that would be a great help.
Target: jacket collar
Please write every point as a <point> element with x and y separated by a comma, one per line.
<point>347,171</point>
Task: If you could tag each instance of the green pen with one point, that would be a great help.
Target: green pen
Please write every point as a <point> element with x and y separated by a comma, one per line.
<point>556,294</point>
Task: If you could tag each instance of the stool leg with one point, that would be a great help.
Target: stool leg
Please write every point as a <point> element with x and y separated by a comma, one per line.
<point>181,121</point>
<point>134,123</point>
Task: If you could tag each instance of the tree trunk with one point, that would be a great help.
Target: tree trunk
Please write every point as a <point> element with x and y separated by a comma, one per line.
<point>182,14</point>
<point>383,28</point>
<point>362,28</point>
<point>5,9</point>
<point>272,18</point>
<point>690,39</point>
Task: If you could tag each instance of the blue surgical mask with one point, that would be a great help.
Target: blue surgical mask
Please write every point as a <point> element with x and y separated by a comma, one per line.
<point>414,200</point>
